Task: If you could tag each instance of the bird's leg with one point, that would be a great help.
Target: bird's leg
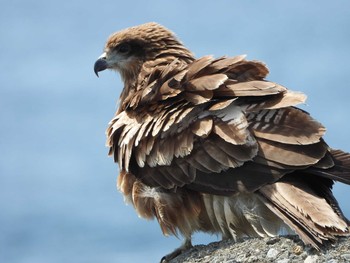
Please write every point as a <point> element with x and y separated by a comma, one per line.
<point>187,244</point>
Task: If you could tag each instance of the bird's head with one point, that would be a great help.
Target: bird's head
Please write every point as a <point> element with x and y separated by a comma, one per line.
<point>126,51</point>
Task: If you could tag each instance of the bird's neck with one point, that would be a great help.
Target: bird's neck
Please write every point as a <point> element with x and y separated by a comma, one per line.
<point>136,81</point>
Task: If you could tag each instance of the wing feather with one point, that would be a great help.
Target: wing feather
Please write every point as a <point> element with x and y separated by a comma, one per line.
<point>255,88</point>
<point>217,126</point>
<point>294,155</point>
<point>286,125</point>
<point>203,83</point>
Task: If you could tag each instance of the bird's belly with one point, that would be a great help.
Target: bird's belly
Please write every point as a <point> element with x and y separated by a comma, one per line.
<point>242,215</point>
<point>188,211</point>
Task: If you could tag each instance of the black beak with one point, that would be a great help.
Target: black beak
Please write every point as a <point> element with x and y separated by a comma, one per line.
<point>100,65</point>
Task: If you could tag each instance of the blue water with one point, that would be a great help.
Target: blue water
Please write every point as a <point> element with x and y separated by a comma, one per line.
<point>58,201</point>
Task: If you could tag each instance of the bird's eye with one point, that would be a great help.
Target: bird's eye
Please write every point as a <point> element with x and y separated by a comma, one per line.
<point>124,48</point>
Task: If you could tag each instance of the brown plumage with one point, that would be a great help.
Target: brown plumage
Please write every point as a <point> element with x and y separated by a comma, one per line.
<point>210,145</point>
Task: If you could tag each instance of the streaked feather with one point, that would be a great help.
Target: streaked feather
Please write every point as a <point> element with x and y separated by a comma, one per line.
<point>255,88</point>
<point>210,82</point>
<point>286,125</point>
<point>203,127</point>
<point>297,155</point>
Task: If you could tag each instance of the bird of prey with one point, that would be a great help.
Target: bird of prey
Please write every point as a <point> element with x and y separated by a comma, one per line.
<point>210,145</point>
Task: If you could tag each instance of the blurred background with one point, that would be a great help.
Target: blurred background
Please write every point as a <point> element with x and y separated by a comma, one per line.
<point>58,201</point>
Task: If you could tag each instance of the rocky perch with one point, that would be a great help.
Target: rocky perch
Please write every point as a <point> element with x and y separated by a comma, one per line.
<point>287,249</point>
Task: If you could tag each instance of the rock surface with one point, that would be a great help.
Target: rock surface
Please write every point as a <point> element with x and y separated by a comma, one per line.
<point>287,249</point>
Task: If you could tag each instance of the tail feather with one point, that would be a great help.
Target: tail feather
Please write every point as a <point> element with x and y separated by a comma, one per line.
<point>339,172</point>
<point>315,218</point>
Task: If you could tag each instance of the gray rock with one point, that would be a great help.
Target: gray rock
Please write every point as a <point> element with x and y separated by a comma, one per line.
<point>282,250</point>
<point>272,253</point>
<point>311,259</point>
<point>346,256</point>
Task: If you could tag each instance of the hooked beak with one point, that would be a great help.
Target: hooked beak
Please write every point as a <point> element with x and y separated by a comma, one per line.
<point>100,64</point>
